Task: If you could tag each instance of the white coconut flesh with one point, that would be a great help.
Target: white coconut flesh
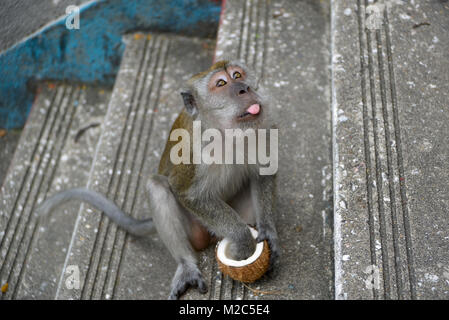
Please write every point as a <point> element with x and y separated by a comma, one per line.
<point>223,252</point>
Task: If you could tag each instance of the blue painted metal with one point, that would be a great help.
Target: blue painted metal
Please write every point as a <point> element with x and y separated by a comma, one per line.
<point>92,53</point>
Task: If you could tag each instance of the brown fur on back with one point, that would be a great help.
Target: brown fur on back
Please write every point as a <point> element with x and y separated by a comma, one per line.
<point>184,173</point>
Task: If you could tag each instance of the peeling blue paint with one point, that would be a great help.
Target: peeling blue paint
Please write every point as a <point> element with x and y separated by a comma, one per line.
<point>92,53</point>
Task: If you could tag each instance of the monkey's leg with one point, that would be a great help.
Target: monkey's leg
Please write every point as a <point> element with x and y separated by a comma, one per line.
<point>179,232</point>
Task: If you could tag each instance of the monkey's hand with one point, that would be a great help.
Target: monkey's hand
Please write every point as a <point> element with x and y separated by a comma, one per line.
<point>268,232</point>
<point>242,245</point>
<point>220,219</point>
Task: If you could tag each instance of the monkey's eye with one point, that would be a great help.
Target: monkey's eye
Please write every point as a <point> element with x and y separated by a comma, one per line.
<point>221,83</point>
<point>237,75</point>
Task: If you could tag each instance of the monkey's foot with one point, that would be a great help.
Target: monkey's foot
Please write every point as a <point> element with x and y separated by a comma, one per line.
<point>187,275</point>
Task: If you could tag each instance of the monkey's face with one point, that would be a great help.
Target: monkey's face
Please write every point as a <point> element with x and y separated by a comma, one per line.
<point>236,101</point>
<point>225,97</point>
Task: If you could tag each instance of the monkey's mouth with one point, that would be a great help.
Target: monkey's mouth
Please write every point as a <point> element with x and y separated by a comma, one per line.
<point>252,112</point>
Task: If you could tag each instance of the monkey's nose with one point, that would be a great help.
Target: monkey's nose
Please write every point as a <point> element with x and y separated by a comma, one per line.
<point>244,90</point>
<point>241,88</point>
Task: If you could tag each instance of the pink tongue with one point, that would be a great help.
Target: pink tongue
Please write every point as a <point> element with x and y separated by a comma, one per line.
<point>253,109</point>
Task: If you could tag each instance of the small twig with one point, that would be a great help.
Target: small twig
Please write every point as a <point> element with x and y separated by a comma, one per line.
<point>421,24</point>
<point>82,130</point>
<point>257,292</point>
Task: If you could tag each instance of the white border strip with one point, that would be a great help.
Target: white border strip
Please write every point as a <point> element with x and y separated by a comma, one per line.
<point>338,282</point>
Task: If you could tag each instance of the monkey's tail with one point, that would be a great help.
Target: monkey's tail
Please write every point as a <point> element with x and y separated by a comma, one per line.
<point>99,201</point>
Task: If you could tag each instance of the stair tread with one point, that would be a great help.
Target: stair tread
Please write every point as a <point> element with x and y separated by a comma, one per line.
<point>390,184</point>
<point>113,265</point>
<point>47,158</point>
<point>144,103</point>
<point>262,34</point>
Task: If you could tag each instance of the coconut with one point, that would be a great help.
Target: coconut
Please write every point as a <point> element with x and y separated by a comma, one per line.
<point>248,270</point>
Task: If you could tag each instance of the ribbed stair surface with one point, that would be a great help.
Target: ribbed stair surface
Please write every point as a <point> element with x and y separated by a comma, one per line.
<point>390,127</point>
<point>144,104</point>
<point>55,152</point>
<point>359,93</point>
<point>286,43</point>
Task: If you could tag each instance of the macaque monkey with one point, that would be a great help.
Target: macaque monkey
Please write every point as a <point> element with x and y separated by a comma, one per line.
<point>193,203</point>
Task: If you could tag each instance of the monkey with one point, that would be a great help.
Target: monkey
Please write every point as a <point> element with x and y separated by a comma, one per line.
<point>192,204</point>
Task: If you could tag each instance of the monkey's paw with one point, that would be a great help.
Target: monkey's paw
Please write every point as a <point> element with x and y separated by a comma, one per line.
<point>270,234</point>
<point>187,275</point>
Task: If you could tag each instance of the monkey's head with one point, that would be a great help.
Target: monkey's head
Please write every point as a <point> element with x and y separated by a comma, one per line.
<point>225,97</point>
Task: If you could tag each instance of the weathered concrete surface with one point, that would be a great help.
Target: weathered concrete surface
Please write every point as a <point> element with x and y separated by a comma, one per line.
<point>51,155</point>
<point>144,103</point>
<point>8,144</point>
<point>421,56</point>
<point>390,79</point>
<point>390,96</point>
<point>37,14</point>
<point>287,44</point>
<point>90,54</point>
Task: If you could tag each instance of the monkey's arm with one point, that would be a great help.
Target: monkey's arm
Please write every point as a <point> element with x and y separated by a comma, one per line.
<point>218,217</point>
<point>263,193</point>
<point>133,226</point>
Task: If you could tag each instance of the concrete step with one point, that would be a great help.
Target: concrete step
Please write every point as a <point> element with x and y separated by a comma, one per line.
<point>9,139</point>
<point>144,103</point>
<point>286,42</point>
<point>134,126</point>
<point>381,106</point>
<point>55,152</point>
<point>390,76</point>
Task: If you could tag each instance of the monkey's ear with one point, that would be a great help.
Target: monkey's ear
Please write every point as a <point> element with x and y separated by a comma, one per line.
<point>189,103</point>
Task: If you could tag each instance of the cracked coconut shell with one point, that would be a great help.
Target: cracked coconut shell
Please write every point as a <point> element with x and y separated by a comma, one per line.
<point>248,270</point>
